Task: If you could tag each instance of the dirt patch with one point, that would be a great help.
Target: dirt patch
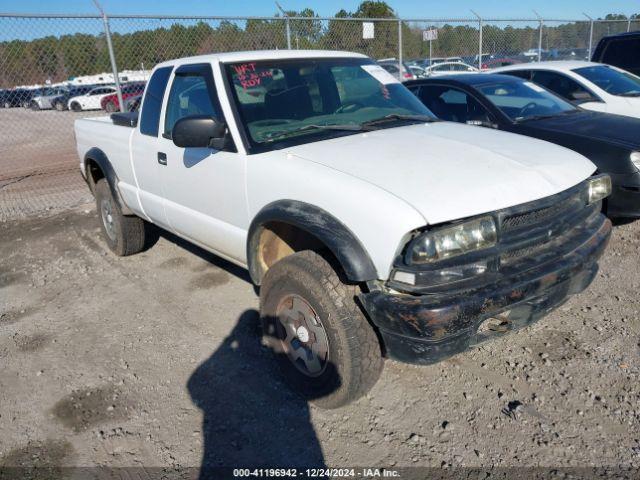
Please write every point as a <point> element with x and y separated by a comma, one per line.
<point>39,460</point>
<point>90,407</point>
<point>31,343</point>
<point>209,280</point>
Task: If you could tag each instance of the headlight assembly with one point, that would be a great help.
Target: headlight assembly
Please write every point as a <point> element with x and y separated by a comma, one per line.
<point>599,188</point>
<point>452,241</point>
<point>635,159</point>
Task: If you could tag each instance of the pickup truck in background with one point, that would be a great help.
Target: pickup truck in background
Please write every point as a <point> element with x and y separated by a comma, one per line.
<point>294,165</point>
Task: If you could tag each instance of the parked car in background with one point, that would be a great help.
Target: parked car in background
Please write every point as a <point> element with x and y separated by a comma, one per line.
<point>391,66</point>
<point>503,102</point>
<point>496,62</point>
<point>61,102</point>
<point>622,51</point>
<point>43,101</point>
<point>593,86</point>
<point>448,68</point>
<point>17,97</point>
<point>110,103</point>
<point>132,104</point>
<point>90,100</point>
<point>418,72</point>
<point>437,229</point>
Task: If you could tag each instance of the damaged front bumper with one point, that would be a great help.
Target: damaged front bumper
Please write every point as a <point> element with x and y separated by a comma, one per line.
<point>425,329</point>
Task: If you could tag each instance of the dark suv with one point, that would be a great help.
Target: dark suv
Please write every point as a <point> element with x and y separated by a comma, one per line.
<point>622,51</point>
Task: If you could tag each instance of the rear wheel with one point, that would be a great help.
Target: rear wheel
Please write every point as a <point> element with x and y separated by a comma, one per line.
<point>110,107</point>
<point>324,345</point>
<point>7,105</point>
<point>35,106</point>
<point>124,234</point>
<point>59,106</point>
<point>75,106</point>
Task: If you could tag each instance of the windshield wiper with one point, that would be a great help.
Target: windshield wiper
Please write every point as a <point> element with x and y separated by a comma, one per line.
<point>285,133</point>
<point>398,116</point>
<point>548,115</point>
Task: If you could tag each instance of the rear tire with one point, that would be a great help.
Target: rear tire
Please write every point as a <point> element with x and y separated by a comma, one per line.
<point>59,106</point>
<point>124,234</point>
<point>110,107</point>
<point>75,106</point>
<point>303,303</point>
<point>35,106</point>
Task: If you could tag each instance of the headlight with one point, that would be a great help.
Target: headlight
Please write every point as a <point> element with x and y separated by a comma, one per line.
<point>599,188</point>
<point>452,241</point>
<point>635,159</point>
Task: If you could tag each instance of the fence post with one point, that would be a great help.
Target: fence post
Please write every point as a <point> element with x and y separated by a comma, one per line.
<point>590,34</point>
<point>112,57</point>
<point>288,32</point>
<point>400,50</point>
<point>541,23</point>
<point>479,39</point>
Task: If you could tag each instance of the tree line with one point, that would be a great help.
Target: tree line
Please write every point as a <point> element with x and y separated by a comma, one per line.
<point>59,58</point>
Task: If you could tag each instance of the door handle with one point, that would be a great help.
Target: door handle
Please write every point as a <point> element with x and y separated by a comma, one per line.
<point>162,158</point>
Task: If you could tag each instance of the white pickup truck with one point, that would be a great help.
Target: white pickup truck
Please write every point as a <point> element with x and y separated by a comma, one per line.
<point>372,228</point>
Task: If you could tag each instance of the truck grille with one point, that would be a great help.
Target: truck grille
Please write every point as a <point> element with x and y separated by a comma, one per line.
<point>530,218</point>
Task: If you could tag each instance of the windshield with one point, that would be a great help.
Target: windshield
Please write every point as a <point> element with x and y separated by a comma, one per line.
<point>312,99</point>
<point>524,100</point>
<point>611,80</point>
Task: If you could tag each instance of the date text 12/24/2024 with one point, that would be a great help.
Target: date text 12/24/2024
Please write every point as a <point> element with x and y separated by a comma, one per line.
<point>315,473</point>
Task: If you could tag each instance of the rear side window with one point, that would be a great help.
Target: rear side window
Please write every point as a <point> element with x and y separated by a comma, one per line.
<point>150,115</point>
<point>623,53</point>
<point>563,86</point>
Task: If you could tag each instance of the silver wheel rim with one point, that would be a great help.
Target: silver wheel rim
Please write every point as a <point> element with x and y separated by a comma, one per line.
<point>302,336</point>
<point>106,212</point>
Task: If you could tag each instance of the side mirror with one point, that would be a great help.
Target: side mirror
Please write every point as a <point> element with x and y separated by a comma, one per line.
<point>199,131</point>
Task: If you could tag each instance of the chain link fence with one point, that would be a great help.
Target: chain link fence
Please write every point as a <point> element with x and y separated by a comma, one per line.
<point>49,63</point>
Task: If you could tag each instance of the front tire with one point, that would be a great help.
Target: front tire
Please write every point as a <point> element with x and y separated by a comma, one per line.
<point>324,345</point>
<point>110,107</point>
<point>124,234</point>
<point>75,106</point>
<point>59,106</point>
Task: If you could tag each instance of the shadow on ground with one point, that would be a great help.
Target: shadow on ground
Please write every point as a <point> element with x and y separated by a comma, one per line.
<point>250,417</point>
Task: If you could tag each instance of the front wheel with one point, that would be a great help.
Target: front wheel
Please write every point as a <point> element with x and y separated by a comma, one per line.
<point>324,345</point>
<point>110,107</point>
<point>124,234</point>
<point>75,106</point>
<point>59,106</point>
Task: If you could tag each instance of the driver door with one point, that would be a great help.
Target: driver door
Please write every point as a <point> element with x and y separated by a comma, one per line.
<point>204,189</point>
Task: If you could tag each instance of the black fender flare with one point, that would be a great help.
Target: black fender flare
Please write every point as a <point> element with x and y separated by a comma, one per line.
<point>98,156</point>
<point>341,241</point>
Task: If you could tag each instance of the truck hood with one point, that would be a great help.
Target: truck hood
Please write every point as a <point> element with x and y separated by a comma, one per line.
<point>448,171</point>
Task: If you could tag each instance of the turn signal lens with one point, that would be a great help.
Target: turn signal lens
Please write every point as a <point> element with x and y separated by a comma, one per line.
<point>599,188</point>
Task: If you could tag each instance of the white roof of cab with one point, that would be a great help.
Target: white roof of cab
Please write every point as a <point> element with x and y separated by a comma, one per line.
<point>560,65</point>
<point>257,55</point>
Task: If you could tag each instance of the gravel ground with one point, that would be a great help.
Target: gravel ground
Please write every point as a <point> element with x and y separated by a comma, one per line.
<point>155,360</point>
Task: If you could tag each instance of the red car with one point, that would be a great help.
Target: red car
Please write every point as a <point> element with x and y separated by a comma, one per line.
<point>110,102</point>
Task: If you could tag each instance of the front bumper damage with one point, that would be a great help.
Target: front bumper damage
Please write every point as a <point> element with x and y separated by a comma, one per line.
<point>424,329</point>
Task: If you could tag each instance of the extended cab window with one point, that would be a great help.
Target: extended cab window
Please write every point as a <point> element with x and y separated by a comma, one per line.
<point>563,86</point>
<point>313,99</point>
<point>152,104</point>
<point>188,96</point>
